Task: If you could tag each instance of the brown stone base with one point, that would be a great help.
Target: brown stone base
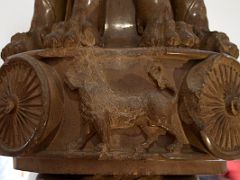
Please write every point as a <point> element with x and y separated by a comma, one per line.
<point>114,167</point>
<point>75,177</point>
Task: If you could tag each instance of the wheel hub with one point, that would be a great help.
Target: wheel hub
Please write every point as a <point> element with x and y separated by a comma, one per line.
<point>233,106</point>
<point>10,105</point>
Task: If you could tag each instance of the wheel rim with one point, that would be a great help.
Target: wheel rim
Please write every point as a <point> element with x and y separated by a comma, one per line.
<point>220,108</point>
<point>212,90</point>
<point>21,105</point>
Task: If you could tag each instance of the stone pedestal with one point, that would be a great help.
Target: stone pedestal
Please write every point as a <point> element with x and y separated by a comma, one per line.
<point>120,89</point>
<point>108,99</point>
<point>75,177</point>
<point>119,168</point>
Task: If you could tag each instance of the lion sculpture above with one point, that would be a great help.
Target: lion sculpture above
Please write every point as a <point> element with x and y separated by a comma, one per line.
<point>77,23</point>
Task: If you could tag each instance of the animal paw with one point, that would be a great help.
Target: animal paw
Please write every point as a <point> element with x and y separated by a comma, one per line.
<point>160,33</point>
<point>71,34</point>
<point>169,33</point>
<point>219,42</point>
<point>20,42</point>
<point>55,38</point>
<point>187,36</point>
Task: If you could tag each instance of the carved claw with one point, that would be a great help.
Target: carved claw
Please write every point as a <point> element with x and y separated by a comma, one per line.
<point>5,52</point>
<point>187,36</point>
<point>170,33</point>
<point>89,37</point>
<point>71,34</point>
<point>55,38</point>
<point>20,42</point>
<point>172,39</point>
<point>219,42</point>
<point>225,46</point>
<point>160,33</point>
<point>13,48</point>
<point>71,39</point>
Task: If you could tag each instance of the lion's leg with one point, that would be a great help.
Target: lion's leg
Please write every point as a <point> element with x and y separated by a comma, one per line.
<point>194,12</point>
<point>87,132</point>
<point>155,20</point>
<point>152,134</point>
<point>155,23</point>
<point>86,23</point>
<point>46,12</point>
<point>83,28</point>
<point>191,11</point>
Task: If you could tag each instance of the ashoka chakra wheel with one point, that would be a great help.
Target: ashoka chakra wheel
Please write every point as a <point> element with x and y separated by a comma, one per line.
<point>211,100</point>
<point>30,91</point>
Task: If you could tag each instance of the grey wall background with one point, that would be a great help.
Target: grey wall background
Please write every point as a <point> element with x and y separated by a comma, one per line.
<point>15,16</point>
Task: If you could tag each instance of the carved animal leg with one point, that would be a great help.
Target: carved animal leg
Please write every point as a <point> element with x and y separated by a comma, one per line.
<point>46,13</point>
<point>219,42</point>
<point>155,23</point>
<point>84,27</point>
<point>102,125</point>
<point>187,35</point>
<point>87,132</point>
<point>194,12</point>
<point>191,11</point>
<point>152,134</point>
<point>178,131</point>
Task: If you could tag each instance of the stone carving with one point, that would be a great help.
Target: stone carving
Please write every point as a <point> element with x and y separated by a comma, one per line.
<point>46,13</point>
<point>160,28</point>
<point>123,89</point>
<point>28,116</point>
<point>105,108</point>
<point>214,99</point>
<point>81,23</point>
<point>16,97</point>
<point>83,28</point>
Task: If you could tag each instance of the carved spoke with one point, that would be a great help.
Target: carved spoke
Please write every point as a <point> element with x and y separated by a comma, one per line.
<point>221,132</point>
<point>20,105</point>
<point>216,104</point>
